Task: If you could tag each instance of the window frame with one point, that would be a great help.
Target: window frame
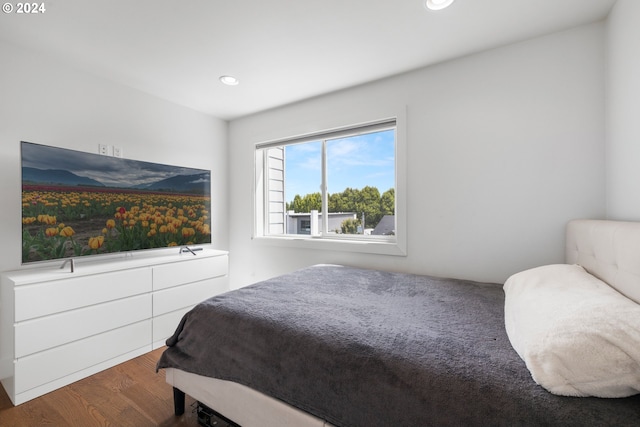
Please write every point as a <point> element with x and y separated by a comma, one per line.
<point>385,245</point>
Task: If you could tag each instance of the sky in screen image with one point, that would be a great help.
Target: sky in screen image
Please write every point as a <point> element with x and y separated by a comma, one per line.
<point>110,171</point>
<point>355,162</point>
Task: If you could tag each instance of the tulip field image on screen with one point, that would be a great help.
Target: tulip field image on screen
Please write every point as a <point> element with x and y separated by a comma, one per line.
<point>76,204</point>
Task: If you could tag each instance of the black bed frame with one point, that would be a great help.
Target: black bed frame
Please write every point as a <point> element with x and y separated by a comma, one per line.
<point>178,401</point>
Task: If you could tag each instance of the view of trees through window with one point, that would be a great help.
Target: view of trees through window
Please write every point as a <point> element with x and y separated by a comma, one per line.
<point>366,203</point>
<point>360,182</point>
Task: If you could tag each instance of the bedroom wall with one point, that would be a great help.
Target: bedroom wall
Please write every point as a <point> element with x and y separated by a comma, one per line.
<point>623,105</point>
<point>45,102</point>
<point>504,147</point>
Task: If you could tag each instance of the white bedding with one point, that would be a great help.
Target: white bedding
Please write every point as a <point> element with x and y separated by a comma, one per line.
<point>577,335</point>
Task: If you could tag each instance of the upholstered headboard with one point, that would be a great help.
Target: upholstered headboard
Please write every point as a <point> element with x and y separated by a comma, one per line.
<point>610,250</point>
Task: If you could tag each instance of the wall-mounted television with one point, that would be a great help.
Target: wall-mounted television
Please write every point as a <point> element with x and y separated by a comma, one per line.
<point>78,204</point>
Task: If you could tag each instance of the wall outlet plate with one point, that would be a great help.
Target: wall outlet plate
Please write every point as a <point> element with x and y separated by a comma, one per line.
<point>117,151</point>
<point>104,149</point>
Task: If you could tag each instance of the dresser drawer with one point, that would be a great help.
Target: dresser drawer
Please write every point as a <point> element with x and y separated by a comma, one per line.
<point>171,299</point>
<point>42,299</point>
<point>46,366</point>
<point>179,273</point>
<point>52,331</point>
<point>165,325</point>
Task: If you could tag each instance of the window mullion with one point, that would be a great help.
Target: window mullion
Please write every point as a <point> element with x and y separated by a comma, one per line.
<point>325,196</point>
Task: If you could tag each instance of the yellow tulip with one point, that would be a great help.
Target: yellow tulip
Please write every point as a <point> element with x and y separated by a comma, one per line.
<point>96,242</point>
<point>188,232</point>
<point>67,232</point>
<point>47,219</point>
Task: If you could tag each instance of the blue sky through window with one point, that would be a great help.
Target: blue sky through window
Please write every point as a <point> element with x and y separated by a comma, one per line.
<point>354,162</point>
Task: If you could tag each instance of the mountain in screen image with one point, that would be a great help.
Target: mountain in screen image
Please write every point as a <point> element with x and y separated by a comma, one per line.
<point>182,184</point>
<point>56,177</point>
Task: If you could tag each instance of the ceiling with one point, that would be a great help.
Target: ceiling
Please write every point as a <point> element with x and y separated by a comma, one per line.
<point>282,51</point>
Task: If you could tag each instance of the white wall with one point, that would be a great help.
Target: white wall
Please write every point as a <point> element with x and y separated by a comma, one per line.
<point>504,147</point>
<point>623,111</point>
<point>45,102</point>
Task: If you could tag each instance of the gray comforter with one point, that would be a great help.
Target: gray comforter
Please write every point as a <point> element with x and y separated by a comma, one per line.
<point>369,348</point>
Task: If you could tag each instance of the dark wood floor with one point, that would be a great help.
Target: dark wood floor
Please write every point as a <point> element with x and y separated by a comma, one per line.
<point>130,394</point>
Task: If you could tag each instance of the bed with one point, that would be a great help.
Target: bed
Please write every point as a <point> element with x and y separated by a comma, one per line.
<point>333,345</point>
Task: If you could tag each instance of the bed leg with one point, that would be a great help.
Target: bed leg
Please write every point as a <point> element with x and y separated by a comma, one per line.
<point>178,401</point>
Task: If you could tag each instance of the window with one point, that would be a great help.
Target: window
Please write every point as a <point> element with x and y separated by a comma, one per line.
<point>334,186</point>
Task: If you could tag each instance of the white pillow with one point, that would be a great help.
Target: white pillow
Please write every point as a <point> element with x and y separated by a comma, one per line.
<point>577,335</point>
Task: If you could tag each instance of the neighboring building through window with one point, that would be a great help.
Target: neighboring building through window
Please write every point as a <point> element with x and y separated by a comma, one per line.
<point>300,223</point>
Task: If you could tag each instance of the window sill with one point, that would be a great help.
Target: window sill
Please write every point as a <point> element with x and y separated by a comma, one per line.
<point>360,246</point>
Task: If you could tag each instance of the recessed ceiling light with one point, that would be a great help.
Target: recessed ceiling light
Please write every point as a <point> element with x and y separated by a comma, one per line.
<point>229,80</point>
<point>438,4</point>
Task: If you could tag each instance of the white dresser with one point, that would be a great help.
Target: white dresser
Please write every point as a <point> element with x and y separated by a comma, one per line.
<point>58,326</point>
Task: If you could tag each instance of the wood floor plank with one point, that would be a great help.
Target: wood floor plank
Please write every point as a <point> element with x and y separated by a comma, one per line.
<point>129,394</point>
<point>68,404</point>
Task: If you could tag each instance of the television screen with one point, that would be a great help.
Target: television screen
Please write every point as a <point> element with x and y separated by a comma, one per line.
<point>76,204</point>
